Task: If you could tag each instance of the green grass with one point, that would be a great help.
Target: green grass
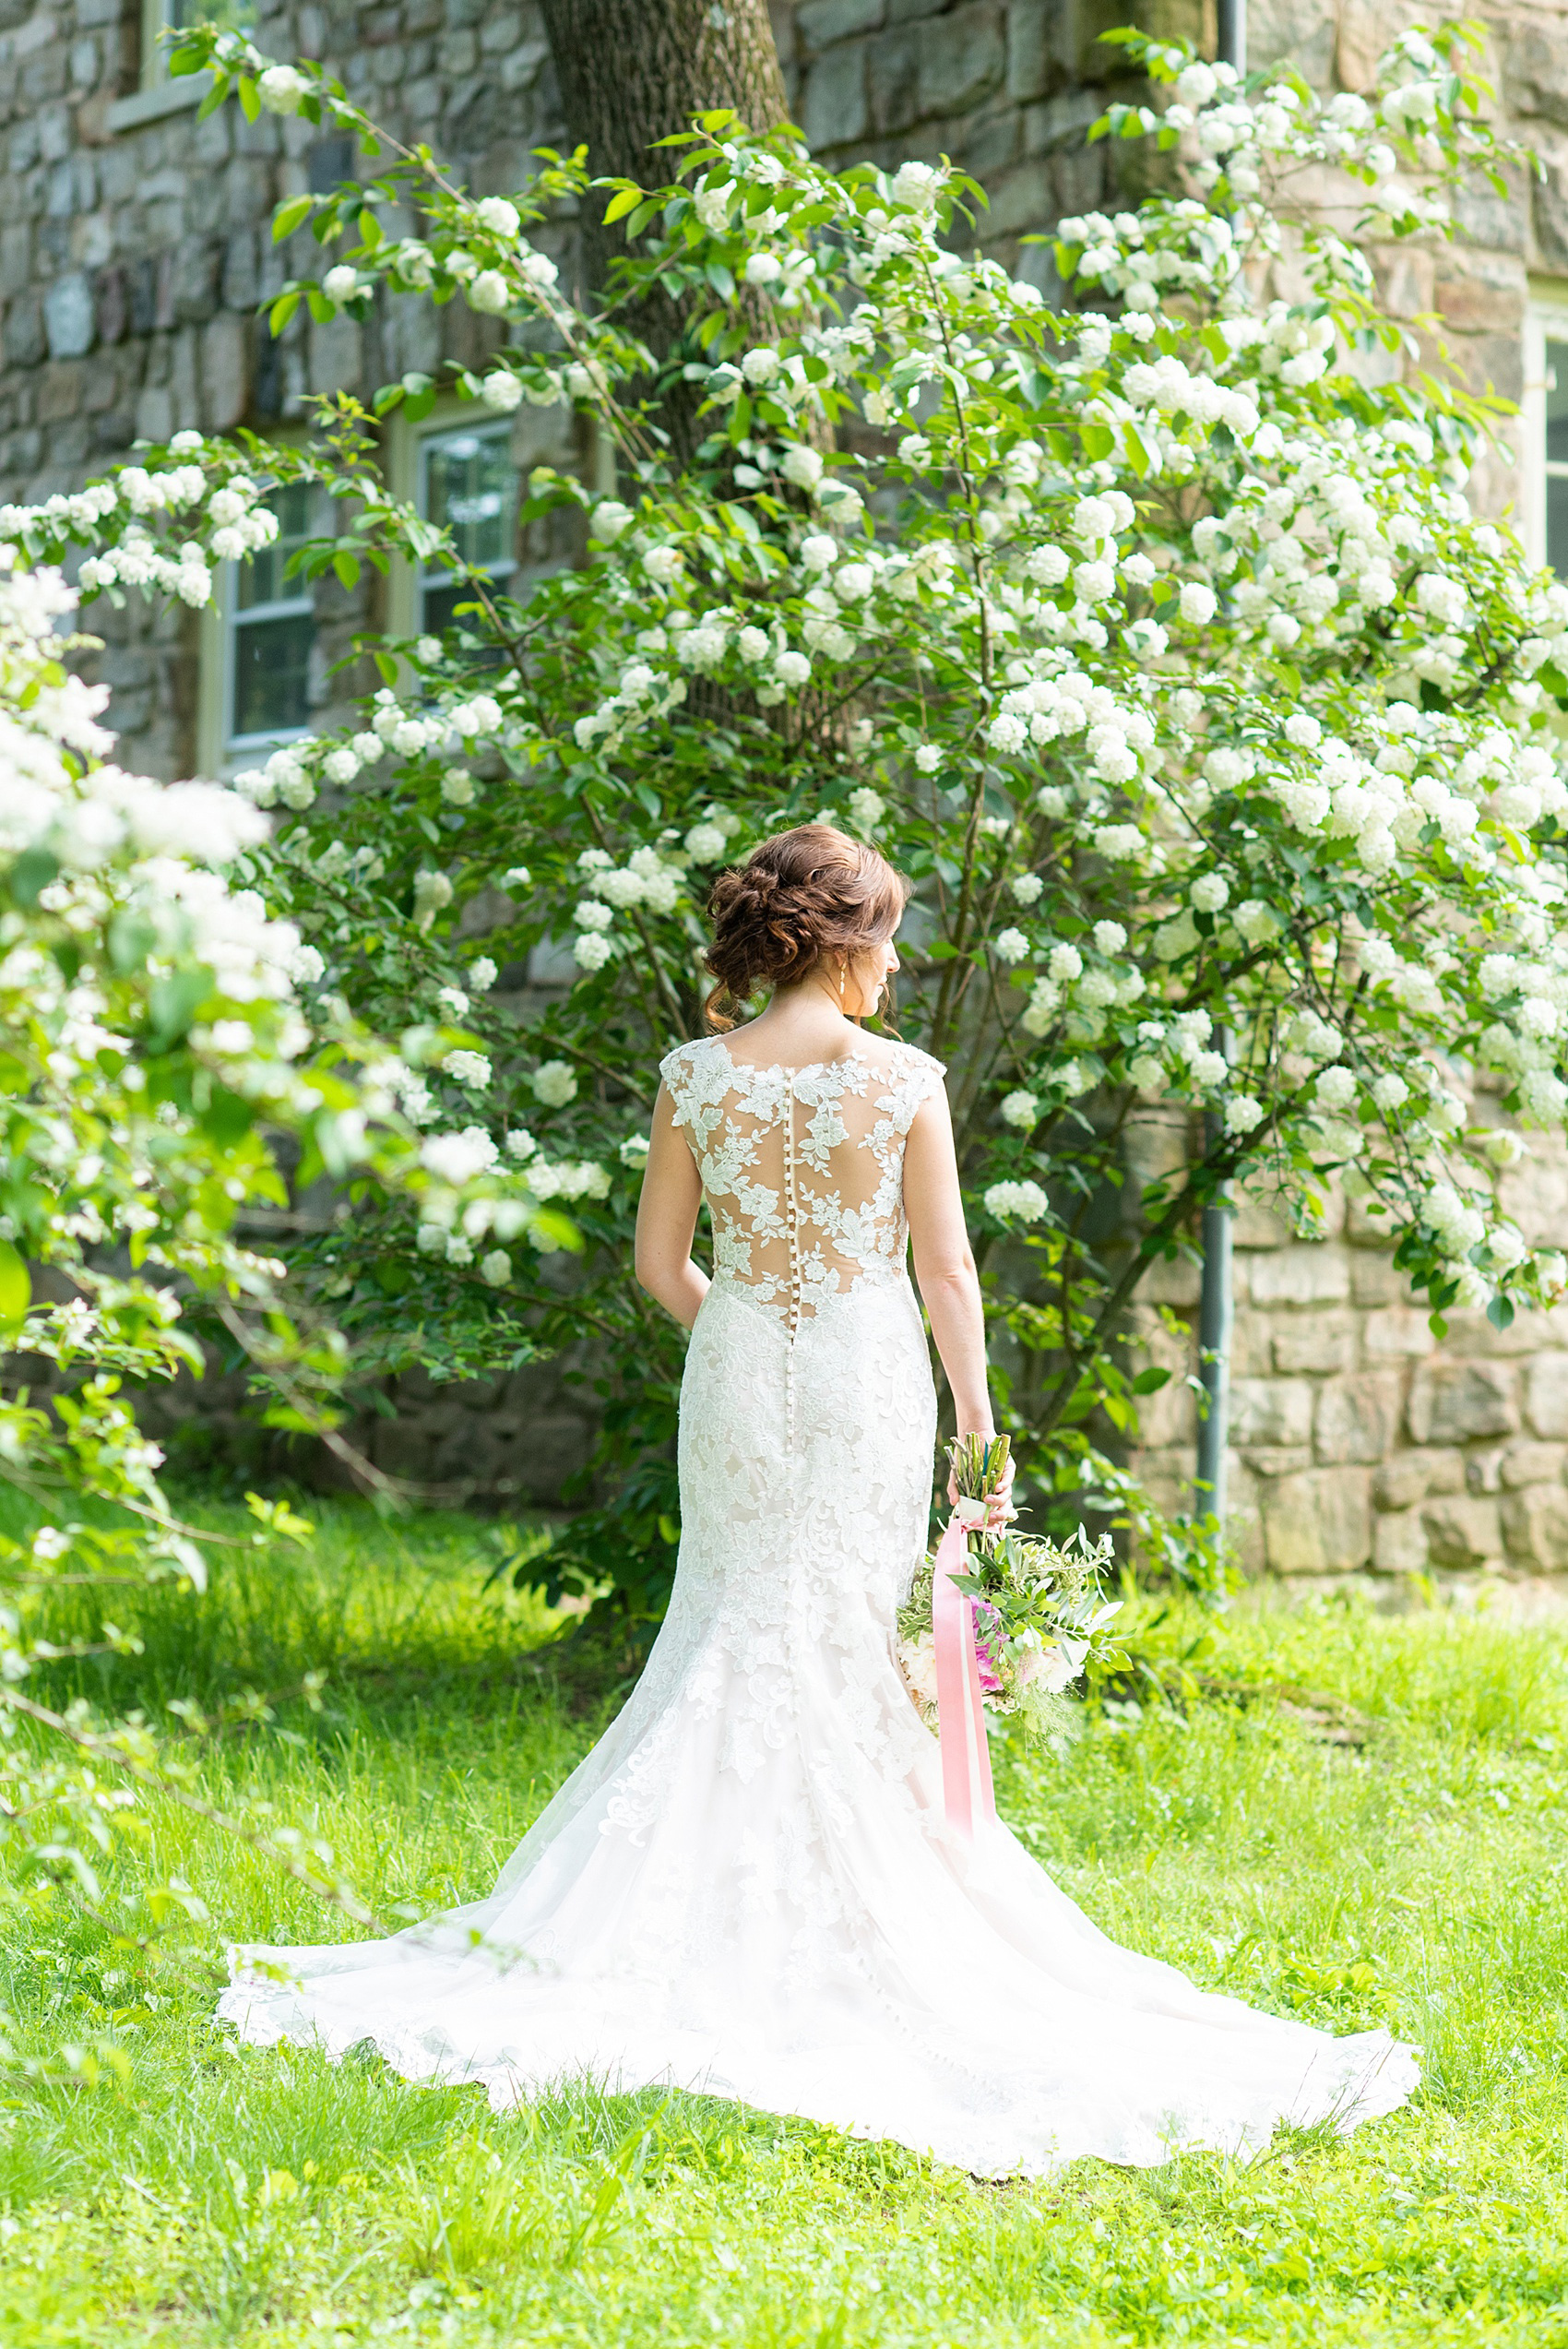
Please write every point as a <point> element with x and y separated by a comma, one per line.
<point>227,2196</point>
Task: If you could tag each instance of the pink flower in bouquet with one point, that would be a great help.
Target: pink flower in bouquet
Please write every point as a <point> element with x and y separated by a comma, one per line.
<point>988,1631</point>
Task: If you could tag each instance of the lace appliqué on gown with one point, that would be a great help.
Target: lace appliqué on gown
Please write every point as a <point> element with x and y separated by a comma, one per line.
<point>748,1888</point>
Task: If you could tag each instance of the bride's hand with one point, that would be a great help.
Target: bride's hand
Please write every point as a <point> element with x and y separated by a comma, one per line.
<point>1000,1510</point>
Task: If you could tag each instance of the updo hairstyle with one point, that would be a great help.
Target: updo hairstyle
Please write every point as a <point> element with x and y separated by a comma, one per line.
<point>799,898</point>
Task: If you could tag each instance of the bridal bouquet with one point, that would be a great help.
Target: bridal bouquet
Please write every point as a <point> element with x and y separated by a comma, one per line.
<point>1037,1608</point>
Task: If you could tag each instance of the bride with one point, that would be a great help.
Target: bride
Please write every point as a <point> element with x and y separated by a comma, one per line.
<point>748,1889</point>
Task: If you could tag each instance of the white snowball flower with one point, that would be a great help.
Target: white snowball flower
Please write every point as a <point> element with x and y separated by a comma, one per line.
<point>490,293</point>
<point>1024,1202</point>
<point>1255,921</point>
<point>1109,937</point>
<point>1010,946</point>
<point>498,216</point>
<point>1504,1147</point>
<point>1020,1109</point>
<point>455,1159</point>
<point>280,89</point>
<point>663,564</point>
<point>502,390</point>
<point>495,1269</point>
<point>609,519</point>
<point>1390,1093</point>
<point>1196,603</point>
<point>1027,887</point>
<point>1243,1112</point>
<point>1304,730</point>
<point>633,1151</point>
<point>791,668</point>
<point>929,758</point>
<point>432,891</point>
<point>483,974</point>
<point>802,467</point>
<point>555,1084</point>
<point>705,843</point>
<point>819,552</point>
<point>457,788</point>
<point>470,1069</point>
<point>1063,964</point>
<point>341,284</point>
<point>1336,1087</point>
<point>866,809</point>
<point>1209,1068</point>
<point>1209,892</point>
<point>1117,842</point>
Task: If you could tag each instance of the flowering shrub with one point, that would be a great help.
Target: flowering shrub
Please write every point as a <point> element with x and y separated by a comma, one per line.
<point>1154,637</point>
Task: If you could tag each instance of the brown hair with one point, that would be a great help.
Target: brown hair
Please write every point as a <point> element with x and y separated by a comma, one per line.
<point>803,894</point>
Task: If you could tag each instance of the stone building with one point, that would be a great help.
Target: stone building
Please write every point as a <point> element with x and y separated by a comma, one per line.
<point>135,247</point>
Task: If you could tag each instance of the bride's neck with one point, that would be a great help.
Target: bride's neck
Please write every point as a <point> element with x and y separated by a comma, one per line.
<point>803,1023</point>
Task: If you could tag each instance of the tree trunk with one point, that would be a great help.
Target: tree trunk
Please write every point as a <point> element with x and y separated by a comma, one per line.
<point>632,71</point>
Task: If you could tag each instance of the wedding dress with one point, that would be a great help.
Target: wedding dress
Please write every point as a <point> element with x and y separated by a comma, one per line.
<point>748,1888</point>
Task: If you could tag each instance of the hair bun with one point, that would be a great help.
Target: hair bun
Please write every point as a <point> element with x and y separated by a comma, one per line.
<point>804,894</point>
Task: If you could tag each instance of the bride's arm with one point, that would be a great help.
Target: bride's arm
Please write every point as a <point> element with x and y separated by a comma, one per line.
<point>944,1265</point>
<point>667,1217</point>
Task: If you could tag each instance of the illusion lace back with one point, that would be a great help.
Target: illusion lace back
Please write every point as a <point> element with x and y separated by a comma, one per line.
<point>748,1888</point>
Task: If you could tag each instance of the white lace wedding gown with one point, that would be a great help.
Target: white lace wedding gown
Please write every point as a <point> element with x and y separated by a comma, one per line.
<point>747,1888</point>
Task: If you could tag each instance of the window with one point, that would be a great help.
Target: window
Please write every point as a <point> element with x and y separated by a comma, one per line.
<point>1544,424</point>
<point>468,483</point>
<point>159,16</point>
<point>269,629</point>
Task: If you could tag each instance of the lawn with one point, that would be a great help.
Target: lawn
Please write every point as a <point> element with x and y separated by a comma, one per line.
<point>1359,1820</point>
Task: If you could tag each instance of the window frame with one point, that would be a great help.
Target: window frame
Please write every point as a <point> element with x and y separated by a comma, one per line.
<point>1546,322</point>
<point>409,475</point>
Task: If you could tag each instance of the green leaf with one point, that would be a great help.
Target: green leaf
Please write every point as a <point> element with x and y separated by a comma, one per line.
<point>347,566</point>
<point>131,939</point>
<point>287,218</point>
<point>16,1289</point>
<point>370,231</point>
<point>173,1003</point>
<point>551,1230</point>
<point>1149,1382</point>
<point>389,668</point>
<point>281,312</point>
<point>625,200</point>
<point>1500,1311</point>
<point>31,874</point>
<point>250,98</point>
<point>1099,440</point>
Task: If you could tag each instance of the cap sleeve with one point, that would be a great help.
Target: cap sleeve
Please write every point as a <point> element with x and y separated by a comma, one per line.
<point>676,1070</point>
<point>920,1077</point>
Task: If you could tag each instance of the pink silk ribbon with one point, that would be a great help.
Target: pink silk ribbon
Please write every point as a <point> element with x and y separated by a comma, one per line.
<point>965,1758</point>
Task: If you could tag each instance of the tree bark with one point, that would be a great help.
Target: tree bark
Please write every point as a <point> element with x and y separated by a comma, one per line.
<point>632,71</point>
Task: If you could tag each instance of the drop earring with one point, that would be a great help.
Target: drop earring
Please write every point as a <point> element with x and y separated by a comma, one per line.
<point>842,967</point>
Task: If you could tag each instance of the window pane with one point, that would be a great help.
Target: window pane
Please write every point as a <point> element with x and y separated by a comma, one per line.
<point>1557,404</point>
<point>229,16</point>
<point>272,675</point>
<point>438,603</point>
<point>261,578</point>
<point>1557,523</point>
<point>471,490</point>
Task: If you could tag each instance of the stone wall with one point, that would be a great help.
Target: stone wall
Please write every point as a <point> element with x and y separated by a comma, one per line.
<point>135,246</point>
<point>1362,1448</point>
